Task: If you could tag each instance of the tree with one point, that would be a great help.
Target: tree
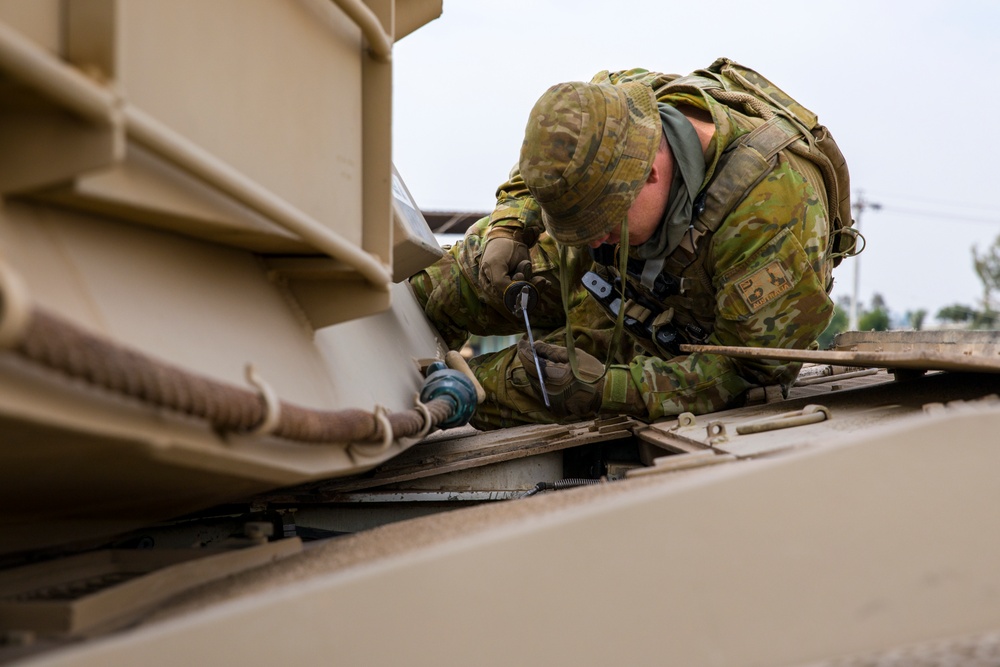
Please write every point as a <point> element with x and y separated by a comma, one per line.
<point>916,318</point>
<point>987,267</point>
<point>876,319</point>
<point>985,319</point>
<point>837,324</point>
<point>957,313</point>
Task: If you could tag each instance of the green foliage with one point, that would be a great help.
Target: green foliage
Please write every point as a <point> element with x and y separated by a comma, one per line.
<point>874,320</point>
<point>877,317</point>
<point>836,326</point>
<point>987,266</point>
<point>957,313</point>
<point>916,318</point>
<point>986,319</point>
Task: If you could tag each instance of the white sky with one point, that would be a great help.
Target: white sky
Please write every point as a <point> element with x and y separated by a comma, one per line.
<point>910,91</point>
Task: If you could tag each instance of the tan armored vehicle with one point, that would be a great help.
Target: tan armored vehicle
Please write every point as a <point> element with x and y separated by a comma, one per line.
<point>220,442</point>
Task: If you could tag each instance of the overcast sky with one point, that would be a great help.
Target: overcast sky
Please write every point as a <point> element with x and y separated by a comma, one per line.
<point>909,90</point>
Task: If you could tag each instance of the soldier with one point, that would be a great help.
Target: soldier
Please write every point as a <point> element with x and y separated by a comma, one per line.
<point>713,203</point>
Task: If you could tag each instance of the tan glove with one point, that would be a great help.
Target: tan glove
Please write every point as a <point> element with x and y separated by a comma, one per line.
<point>586,397</point>
<point>506,259</point>
<point>568,396</point>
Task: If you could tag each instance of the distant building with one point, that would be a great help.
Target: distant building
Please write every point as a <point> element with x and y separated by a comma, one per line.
<point>452,222</point>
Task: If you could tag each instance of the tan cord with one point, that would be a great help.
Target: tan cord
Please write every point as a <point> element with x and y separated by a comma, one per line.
<point>61,346</point>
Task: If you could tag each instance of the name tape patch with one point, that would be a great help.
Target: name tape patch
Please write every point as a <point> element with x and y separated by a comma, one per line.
<point>764,285</point>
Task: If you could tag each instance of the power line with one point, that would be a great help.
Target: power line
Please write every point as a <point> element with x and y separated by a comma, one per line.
<point>941,216</point>
<point>936,202</point>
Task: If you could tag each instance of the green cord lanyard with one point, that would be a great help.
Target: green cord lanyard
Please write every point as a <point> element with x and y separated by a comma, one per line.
<point>619,322</point>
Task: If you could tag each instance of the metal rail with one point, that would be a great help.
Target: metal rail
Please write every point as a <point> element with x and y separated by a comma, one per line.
<point>51,76</point>
<point>37,68</point>
<point>379,41</point>
<point>173,147</point>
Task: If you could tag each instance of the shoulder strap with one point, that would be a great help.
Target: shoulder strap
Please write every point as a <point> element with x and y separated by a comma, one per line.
<point>743,165</point>
<point>744,90</point>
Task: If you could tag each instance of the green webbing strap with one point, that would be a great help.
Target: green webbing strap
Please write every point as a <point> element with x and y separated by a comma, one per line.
<point>616,386</point>
<point>743,166</point>
<point>619,322</point>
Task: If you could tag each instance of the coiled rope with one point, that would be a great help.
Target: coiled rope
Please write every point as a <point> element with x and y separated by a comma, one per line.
<point>61,346</point>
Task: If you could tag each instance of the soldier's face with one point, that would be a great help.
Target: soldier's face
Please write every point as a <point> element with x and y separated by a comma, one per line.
<point>650,204</point>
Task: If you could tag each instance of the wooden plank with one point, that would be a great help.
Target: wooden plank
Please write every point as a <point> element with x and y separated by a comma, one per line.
<point>980,343</point>
<point>668,441</point>
<point>915,360</point>
<point>435,458</point>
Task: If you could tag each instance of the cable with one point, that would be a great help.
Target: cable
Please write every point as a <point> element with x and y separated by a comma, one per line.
<point>940,216</point>
<point>560,484</point>
<point>927,200</point>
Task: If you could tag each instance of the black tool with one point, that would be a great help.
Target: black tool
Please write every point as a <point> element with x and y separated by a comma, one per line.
<point>512,296</point>
<point>519,297</point>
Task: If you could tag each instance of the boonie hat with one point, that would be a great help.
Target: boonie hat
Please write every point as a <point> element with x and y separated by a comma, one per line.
<point>588,150</point>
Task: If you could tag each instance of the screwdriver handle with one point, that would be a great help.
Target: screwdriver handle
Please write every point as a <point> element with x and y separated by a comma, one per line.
<point>512,296</point>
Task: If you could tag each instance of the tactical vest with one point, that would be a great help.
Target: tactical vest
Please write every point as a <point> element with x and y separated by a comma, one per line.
<point>677,292</point>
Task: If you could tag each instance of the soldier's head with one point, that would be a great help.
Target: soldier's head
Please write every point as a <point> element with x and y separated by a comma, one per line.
<point>589,151</point>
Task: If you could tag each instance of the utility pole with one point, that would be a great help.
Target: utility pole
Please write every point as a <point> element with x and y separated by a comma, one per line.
<point>858,207</point>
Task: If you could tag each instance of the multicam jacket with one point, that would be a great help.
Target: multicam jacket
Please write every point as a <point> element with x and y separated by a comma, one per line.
<point>761,279</point>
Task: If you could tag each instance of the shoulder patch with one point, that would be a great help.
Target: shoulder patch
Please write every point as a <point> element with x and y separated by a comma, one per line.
<point>764,285</point>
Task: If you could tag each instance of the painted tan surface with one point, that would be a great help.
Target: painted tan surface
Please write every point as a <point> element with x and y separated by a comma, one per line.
<point>179,180</point>
<point>850,547</point>
<point>194,182</point>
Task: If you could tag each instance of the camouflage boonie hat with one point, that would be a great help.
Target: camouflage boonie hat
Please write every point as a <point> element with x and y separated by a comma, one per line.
<point>588,149</point>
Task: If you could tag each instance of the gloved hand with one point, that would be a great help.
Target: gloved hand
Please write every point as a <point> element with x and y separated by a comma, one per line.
<point>583,398</point>
<point>568,396</point>
<point>506,259</point>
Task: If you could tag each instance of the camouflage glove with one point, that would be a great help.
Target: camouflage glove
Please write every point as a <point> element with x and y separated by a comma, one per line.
<point>506,259</point>
<point>584,398</point>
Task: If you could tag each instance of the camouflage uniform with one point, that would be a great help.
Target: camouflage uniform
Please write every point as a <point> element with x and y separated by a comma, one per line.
<point>764,282</point>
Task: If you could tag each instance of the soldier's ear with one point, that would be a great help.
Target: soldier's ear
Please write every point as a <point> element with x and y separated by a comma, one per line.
<point>654,173</point>
<point>661,161</point>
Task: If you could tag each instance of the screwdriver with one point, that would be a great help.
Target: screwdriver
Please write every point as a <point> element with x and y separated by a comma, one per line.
<point>520,297</point>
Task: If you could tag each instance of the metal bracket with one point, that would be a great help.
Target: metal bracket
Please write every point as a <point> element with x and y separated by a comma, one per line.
<point>811,414</point>
<point>368,450</point>
<point>716,432</point>
<point>686,419</point>
<point>272,406</point>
